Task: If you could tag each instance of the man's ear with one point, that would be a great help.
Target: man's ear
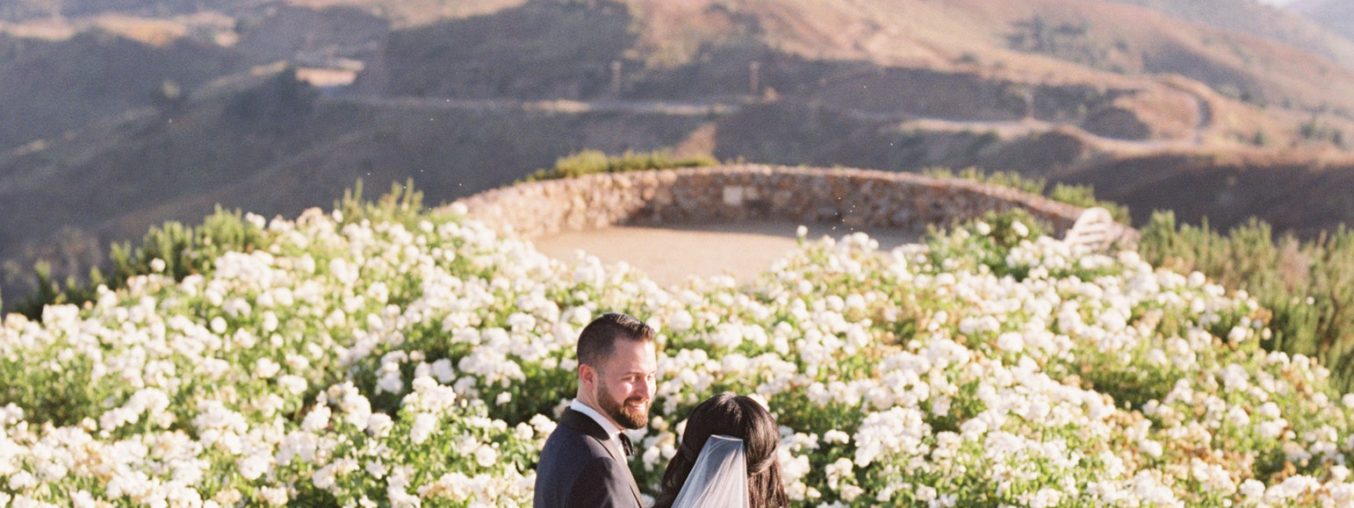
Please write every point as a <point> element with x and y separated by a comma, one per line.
<point>587,376</point>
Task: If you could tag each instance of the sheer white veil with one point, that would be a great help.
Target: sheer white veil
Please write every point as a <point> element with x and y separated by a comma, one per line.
<point>719,478</point>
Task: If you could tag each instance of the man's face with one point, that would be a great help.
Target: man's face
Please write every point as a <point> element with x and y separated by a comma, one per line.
<point>625,383</point>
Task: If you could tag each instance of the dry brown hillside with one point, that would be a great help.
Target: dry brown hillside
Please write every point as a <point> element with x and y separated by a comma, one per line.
<point>275,148</point>
<point>1251,17</point>
<point>1337,15</point>
<point>48,87</point>
<point>1302,195</point>
<point>959,59</point>
<point>1221,108</point>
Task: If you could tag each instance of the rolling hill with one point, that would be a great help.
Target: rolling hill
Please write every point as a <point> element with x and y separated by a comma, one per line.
<point>50,87</point>
<point>1135,96</point>
<point>1336,15</point>
<point>275,147</point>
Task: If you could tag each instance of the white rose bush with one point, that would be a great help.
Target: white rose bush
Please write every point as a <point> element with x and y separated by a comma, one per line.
<point>416,358</point>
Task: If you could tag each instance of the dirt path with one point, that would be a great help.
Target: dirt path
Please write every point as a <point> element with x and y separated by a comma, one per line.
<point>1007,129</point>
<point>672,255</point>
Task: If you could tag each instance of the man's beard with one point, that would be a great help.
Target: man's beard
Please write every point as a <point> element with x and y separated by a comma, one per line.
<point>624,414</point>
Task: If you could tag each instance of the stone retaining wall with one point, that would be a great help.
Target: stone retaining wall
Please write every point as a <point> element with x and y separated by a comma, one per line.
<point>853,197</point>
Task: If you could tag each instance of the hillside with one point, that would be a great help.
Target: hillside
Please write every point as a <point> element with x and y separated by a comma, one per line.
<point>279,147</point>
<point>1292,195</point>
<point>275,148</point>
<point>49,87</point>
<point>464,95</point>
<point>1167,79</point>
<point>1286,26</point>
<point>1336,15</point>
<point>1076,41</point>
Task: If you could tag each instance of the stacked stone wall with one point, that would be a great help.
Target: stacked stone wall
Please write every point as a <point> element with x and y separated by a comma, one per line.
<point>853,197</point>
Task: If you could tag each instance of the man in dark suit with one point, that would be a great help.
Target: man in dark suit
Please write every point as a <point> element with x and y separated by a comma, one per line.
<point>585,462</point>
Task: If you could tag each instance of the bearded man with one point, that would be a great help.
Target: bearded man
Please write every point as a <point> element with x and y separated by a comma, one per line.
<point>585,462</point>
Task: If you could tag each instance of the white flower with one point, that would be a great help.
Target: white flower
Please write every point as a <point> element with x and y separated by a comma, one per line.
<point>1252,489</point>
<point>486,455</point>
<point>274,496</point>
<point>1011,342</point>
<point>324,477</point>
<point>22,481</point>
<point>680,321</point>
<point>442,370</point>
<point>523,431</point>
<point>390,383</point>
<point>266,367</point>
<point>253,466</point>
<point>378,424</point>
<point>317,419</point>
<point>424,425</point>
<point>294,385</point>
<point>838,471</point>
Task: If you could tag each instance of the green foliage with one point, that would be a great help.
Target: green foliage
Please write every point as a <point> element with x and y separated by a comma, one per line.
<point>169,95</point>
<point>1308,286</point>
<point>1084,196</point>
<point>182,250</point>
<point>362,360</point>
<point>403,204</point>
<point>1076,195</point>
<point>1074,42</point>
<point>1316,130</point>
<point>185,250</point>
<point>1010,179</point>
<point>589,162</point>
<point>987,242</point>
<point>48,291</point>
<point>1260,139</point>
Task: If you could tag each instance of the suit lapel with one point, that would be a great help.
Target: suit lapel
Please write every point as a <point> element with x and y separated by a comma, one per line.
<point>585,424</point>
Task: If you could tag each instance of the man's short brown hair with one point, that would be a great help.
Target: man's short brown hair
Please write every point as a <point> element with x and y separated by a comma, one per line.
<point>597,342</point>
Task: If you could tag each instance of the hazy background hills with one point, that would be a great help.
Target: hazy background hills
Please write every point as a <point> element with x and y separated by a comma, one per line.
<point>119,114</point>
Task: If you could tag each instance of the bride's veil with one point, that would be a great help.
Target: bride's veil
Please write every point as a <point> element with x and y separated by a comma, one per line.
<point>719,478</point>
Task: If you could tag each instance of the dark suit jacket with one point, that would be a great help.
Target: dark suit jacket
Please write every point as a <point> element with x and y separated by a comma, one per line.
<point>580,469</point>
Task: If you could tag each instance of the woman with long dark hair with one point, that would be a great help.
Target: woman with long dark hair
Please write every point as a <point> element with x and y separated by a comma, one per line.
<point>727,458</point>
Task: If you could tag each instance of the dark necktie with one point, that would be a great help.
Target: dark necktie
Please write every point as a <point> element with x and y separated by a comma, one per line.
<point>625,444</point>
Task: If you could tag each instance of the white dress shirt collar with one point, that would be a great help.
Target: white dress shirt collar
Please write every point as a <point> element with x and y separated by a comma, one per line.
<point>611,429</point>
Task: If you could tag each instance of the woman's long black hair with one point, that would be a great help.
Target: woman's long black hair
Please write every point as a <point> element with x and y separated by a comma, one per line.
<point>740,417</point>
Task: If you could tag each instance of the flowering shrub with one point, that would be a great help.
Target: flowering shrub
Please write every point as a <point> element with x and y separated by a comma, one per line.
<point>410,358</point>
<point>1308,285</point>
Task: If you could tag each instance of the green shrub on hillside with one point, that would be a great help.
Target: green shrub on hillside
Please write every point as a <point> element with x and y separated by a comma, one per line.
<point>1308,286</point>
<point>1009,179</point>
<point>1084,196</point>
<point>179,251</point>
<point>589,162</point>
<point>173,249</point>
<point>1076,195</point>
<point>362,361</point>
<point>986,242</point>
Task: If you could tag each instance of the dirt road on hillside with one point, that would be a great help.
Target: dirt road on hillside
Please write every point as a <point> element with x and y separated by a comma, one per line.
<point>1007,129</point>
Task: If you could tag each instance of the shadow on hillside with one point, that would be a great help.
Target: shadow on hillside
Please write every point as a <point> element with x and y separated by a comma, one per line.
<point>540,50</point>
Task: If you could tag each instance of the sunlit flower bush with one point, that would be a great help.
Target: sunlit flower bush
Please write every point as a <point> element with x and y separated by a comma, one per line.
<point>420,359</point>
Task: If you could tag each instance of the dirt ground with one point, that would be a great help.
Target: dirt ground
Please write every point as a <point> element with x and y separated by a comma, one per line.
<point>670,255</point>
